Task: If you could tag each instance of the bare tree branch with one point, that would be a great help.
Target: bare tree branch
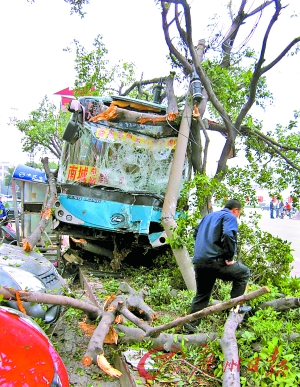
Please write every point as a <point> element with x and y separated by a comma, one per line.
<point>143,82</point>
<point>181,59</point>
<point>179,28</point>
<point>258,68</point>
<point>231,35</point>
<point>231,368</point>
<point>280,56</point>
<point>206,311</point>
<point>207,140</point>
<point>259,8</point>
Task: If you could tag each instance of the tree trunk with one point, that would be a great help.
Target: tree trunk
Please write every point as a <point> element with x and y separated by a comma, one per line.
<point>209,310</point>
<point>231,368</point>
<point>169,207</point>
<point>281,304</point>
<point>170,203</point>
<point>31,240</point>
<point>131,306</point>
<point>116,114</point>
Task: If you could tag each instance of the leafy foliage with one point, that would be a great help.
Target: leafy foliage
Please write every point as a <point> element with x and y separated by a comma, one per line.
<point>76,6</point>
<point>265,355</point>
<point>193,198</point>
<point>268,257</point>
<point>274,360</point>
<point>94,76</point>
<point>275,171</point>
<point>43,129</point>
<point>8,176</point>
<point>231,85</point>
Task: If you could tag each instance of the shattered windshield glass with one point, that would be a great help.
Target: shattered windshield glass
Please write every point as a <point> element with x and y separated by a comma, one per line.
<point>119,159</point>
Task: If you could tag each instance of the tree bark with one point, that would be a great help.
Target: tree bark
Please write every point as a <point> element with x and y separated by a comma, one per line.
<point>95,346</point>
<point>170,202</point>
<point>281,304</point>
<point>231,368</point>
<point>136,302</point>
<point>172,100</point>
<point>52,299</point>
<point>206,311</point>
<point>116,114</point>
<point>132,307</point>
<point>167,340</point>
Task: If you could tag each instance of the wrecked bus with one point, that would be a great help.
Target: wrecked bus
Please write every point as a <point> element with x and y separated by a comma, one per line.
<point>113,175</point>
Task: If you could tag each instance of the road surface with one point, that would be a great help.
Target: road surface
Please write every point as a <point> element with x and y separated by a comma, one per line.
<point>286,229</point>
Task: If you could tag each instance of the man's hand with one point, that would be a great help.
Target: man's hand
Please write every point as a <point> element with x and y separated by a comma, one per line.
<point>229,262</point>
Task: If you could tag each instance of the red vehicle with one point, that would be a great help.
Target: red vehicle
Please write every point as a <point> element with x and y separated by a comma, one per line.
<point>27,358</point>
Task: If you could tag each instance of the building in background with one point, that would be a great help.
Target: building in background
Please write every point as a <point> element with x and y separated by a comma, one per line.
<point>4,165</point>
<point>263,196</point>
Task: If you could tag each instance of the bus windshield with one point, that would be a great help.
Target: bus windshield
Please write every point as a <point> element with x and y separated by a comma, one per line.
<point>117,158</point>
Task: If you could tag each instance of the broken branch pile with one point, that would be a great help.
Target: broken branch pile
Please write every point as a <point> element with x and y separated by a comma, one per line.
<point>130,306</point>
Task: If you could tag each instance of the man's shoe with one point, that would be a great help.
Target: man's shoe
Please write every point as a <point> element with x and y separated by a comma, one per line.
<point>189,329</point>
<point>244,309</point>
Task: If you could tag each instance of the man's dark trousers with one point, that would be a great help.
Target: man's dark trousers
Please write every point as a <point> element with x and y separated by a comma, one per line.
<point>206,273</point>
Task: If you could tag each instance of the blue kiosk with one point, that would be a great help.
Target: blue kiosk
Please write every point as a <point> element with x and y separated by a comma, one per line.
<point>34,191</point>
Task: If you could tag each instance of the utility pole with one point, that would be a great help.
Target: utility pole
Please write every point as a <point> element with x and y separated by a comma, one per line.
<point>169,208</point>
<point>170,203</point>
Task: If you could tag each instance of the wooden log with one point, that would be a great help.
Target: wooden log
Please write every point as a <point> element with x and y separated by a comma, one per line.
<point>281,304</point>
<point>52,299</point>
<point>206,311</point>
<point>116,114</point>
<point>136,302</point>
<point>231,365</point>
<point>131,317</point>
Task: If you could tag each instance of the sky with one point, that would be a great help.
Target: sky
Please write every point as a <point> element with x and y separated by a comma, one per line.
<point>33,63</point>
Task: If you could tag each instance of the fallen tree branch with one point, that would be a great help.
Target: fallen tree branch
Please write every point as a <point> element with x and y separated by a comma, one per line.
<point>231,367</point>
<point>131,303</point>
<point>52,299</point>
<point>95,353</point>
<point>166,340</point>
<point>116,114</point>
<point>206,311</point>
<point>136,302</point>
<point>95,346</point>
<point>131,317</point>
<point>281,304</point>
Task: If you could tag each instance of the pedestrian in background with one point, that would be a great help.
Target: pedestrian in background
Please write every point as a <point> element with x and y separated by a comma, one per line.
<point>287,209</point>
<point>281,205</point>
<point>277,208</point>
<point>2,211</point>
<point>272,209</point>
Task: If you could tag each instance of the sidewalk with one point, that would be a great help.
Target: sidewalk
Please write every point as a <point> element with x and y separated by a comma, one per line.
<point>286,229</point>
